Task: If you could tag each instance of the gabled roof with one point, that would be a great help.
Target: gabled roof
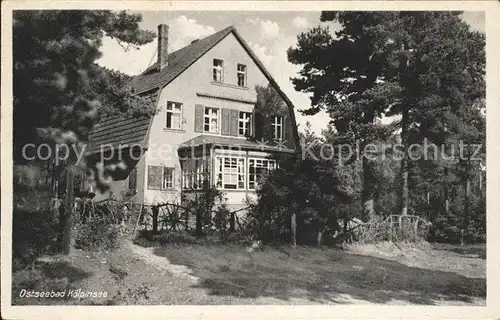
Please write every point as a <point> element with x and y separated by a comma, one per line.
<point>178,61</point>
<point>153,80</point>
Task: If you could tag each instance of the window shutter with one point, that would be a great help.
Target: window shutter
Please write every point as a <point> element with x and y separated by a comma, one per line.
<point>233,124</point>
<point>154,177</point>
<point>252,125</point>
<point>259,126</point>
<point>198,118</point>
<point>225,121</point>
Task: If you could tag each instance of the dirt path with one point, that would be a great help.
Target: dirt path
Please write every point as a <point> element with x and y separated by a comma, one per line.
<point>162,263</point>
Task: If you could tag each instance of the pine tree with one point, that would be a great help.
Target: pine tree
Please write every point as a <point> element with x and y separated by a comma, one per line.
<point>419,66</point>
<point>344,73</point>
<point>59,90</point>
<point>55,76</point>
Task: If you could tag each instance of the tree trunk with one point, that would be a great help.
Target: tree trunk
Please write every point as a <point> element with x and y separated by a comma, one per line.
<point>404,163</point>
<point>446,193</point>
<point>232,220</point>
<point>199,223</point>
<point>465,219</point>
<point>294,229</point>
<point>320,237</point>
<point>368,191</point>
<point>68,206</point>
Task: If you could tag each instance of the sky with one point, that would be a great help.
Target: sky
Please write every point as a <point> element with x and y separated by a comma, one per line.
<point>269,35</point>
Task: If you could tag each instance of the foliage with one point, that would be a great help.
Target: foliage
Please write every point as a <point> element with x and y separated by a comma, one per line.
<point>311,192</point>
<point>97,233</point>
<point>57,78</point>
<point>447,228</point>
<point>205,204</point>
<point>33,234</point>
<point>425,67</point>
<point>101,227</point>
<point>268,104</point>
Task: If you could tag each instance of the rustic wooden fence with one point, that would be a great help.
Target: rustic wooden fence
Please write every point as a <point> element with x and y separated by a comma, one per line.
<point>392,228</point>
<point>164,216</point>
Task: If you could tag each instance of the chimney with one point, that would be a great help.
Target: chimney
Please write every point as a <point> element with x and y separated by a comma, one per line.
<point>162,46</point>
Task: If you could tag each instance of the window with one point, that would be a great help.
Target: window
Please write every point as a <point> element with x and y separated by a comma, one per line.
<point>257,170</point>
<point>132,179</point>
<point>194,173</point>
<point>174,115</point>
<point>277,128</point>
<point>218,70</point>
<point>160,178</point>
<point>244,123</point>
<point>230,172</point>
<point>211,120</point>
<point>242,75</point>
<point>168,178</point>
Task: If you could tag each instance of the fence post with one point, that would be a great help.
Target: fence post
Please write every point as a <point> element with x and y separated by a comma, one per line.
<point>231,221</point>
<point>391,228</point>
<point>415,228</point>
<point>155,210</point>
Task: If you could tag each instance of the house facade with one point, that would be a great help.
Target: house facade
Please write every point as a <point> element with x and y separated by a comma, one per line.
<point>208,127</point>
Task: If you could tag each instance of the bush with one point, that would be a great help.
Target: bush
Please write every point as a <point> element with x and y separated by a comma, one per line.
<point>447,229</point>
<point>33,234</point>
<point>209,207</point>
<point>315,194</point>
<point>97,233</point>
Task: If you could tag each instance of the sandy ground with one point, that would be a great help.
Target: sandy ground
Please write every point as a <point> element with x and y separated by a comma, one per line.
<point>228,274</point>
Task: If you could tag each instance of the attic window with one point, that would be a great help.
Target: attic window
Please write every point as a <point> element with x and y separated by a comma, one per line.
<point>218,70</point>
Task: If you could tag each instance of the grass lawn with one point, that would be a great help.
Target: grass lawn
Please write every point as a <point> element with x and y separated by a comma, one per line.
<point>228,274</point>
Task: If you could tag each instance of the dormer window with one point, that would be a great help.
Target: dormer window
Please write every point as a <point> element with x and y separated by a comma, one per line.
<point>242,75</point>
<point>218,70</point>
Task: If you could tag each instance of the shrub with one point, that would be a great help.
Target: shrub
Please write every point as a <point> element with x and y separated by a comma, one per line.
<point>314,193</point>
<point>33,234</point>
<point>97,233</point>
<point>209,207</point>
<point>447,229</point>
